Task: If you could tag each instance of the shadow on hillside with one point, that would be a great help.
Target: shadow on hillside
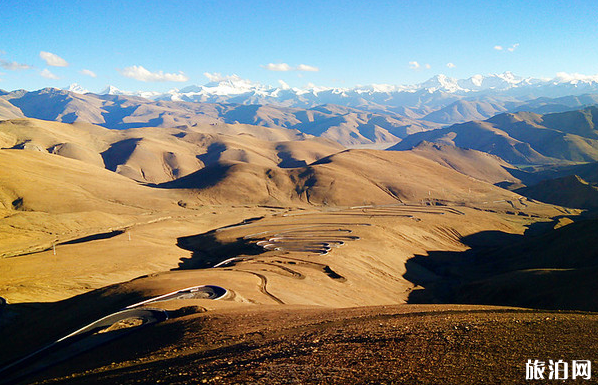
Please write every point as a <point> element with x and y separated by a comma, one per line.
<point>531,176</point>
<point>527,178</point>
<point>244,114</point>
<point>206,177</point>
<point>115,114</point>
<point>94,237</point>
<point>213,154</point>
<point>207,250</point>
<point>288,161</point>
<point>544,268</point>
<point>119,153</point>
<point>26,327</point>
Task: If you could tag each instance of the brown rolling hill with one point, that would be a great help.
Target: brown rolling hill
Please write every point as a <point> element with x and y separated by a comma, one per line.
<point>228,167</point>
<point>487,106</point>
<point>350,126</point>
<point>351,177</point>
<point>45,198</point>
<point>80,141</point>
<point>111,111</point>
<point>160,155</point>
<point>8,111</point>
<point>157,154</point>
<point>545,105</point>
<point>477,164</point>
<point>587,171</point>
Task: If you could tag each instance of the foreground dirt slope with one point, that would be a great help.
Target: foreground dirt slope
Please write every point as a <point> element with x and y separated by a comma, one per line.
<point>406,344</point>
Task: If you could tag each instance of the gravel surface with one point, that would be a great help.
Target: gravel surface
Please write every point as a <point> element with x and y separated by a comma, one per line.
<point>409,344</point>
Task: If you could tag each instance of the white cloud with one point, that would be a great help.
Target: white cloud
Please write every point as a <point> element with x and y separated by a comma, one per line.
<point>428,66</point>
<point>284,67</point>
<point>214,76</point>
<point>88,73</point>
<point>47,74</point>
<point>142,74</point>
<point>308,68</point>
<point>414,65</point>
<point>510,49</point>
<point>52,59</point>
<point>575,77</point>
<point>13,66</point>
<point>450,65</point>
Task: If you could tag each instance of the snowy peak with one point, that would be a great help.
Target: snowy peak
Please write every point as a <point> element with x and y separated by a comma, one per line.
<point>233,84</point>
<point>441,83</point>
<point>76,88</point>
<point>111,90</point>
<point>508,77</point>
<point>502,81</point>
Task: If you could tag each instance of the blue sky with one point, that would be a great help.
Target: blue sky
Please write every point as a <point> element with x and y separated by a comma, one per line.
<point>159,45</point>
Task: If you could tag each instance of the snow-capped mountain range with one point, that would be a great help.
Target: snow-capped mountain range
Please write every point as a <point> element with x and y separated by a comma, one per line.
<point>233,89</point>
<point>362,115</point>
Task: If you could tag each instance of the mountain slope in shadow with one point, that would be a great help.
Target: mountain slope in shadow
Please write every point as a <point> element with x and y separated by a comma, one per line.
<point>569,191</point>
<point>553,270</point>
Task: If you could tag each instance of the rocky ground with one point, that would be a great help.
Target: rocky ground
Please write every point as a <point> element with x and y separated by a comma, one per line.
<point>404,344</point>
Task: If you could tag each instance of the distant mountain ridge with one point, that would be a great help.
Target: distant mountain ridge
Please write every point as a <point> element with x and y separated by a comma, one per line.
<point>477,97</point>
<point>377,116</point>
<point>233,89</point>
<point>523,137</point>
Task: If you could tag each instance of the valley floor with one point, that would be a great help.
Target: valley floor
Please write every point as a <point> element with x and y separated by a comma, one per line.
<point>314,295</point>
